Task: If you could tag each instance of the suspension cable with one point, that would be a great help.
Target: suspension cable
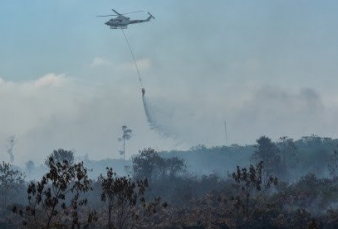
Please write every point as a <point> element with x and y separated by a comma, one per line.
<point>132,54</point>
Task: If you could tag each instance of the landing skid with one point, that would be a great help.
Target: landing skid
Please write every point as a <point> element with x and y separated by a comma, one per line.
<point>118,27</point>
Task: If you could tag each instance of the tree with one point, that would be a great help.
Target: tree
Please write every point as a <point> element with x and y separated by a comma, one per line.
<point>287,149</point>
<point>29,166</point>
<point>175,166</point>
<point>333,165</point>
<point>61,156</point>
<point>148,164</point>
<point>122,195</point>
<point>250,189</point>
<point>55,200</point>
<point>11,143</point>
<point>10,179</point>
<point>268,152</point>
<point>126,135</point>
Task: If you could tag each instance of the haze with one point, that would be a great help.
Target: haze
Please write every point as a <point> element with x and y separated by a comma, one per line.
<point>68,81</point>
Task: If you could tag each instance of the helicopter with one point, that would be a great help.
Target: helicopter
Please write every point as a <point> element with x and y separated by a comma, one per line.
<point>122,22</point>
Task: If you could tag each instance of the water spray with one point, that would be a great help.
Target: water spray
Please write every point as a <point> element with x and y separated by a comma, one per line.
<point>150,115</point>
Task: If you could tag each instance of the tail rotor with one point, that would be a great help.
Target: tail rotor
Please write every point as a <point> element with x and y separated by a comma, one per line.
<point>151,15</point>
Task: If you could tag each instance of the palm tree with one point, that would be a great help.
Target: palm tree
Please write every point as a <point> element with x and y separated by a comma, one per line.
<point>125,136</point>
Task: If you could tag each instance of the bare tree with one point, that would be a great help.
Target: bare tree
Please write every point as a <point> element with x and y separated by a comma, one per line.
<point>10,148</point>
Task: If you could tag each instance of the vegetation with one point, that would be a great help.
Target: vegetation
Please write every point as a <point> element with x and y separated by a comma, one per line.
<point>59,156</point>
<point>11,179</point>
<point>10,149</point>
<point>55,200</point>
<point>125,200</point>
<point>126,135</point>
<point>282,184</point>
<point>149,164</point>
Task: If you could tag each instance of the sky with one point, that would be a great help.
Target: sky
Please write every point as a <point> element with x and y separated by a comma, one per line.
<point>68,81</point>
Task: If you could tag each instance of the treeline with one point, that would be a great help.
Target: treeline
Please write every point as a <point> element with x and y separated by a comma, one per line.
<point>309,154</point>
<point>284,184</point>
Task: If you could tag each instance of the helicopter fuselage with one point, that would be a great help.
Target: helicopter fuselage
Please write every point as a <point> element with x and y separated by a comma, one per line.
<point>121,22</point>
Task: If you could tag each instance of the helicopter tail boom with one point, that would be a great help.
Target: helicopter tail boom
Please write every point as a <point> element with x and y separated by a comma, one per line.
<point>145,20</point>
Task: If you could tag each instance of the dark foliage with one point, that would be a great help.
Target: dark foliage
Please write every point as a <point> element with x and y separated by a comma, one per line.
<point>59,156</point>
<point>56,199</point>
<point>149,164</point>
<point>122,196</point>
<point>269,153</point>
<point>11,179</point>
<point>305,195</point>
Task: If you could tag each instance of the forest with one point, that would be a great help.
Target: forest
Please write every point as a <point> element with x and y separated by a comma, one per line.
<point>272,184</point>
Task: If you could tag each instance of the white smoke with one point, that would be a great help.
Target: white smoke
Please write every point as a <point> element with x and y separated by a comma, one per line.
<point>157,119</point>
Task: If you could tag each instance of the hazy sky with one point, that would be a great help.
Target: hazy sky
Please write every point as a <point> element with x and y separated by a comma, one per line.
<point>68,81</point>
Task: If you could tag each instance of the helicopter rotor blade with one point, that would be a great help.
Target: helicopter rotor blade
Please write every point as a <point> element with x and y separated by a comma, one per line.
<point>115,12</point>
<point>106,15</point>
<point>132,12</point>
<point>118,14</point>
